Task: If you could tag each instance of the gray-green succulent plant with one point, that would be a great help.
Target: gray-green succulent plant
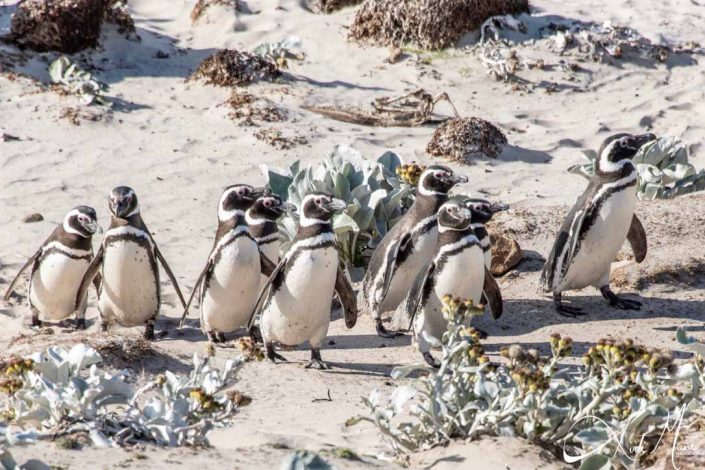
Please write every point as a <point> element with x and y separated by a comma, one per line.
<point>376,198</point>
<point>77,81</point>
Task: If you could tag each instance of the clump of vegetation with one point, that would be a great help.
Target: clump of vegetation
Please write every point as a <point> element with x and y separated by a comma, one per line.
<point>617,405</point>
<point>464,139</point>
<point>202,5</point>
<point>77,81</point>
<point>329,6</point>
<point>376,198</point>
<point>63,393</point>
<point>230,68</point>
<point>430,24</point>
<point>67,26</point>
<point>248,110</point>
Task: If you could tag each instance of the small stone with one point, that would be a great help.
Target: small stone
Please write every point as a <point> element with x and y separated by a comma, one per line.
<point>395,55</point>
<point>31,218</point>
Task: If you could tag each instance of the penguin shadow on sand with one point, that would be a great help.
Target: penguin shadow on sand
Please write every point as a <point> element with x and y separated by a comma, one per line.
<point>523,316</point>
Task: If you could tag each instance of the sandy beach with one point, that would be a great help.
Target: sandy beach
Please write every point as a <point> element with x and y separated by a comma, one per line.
<point>173,142</point>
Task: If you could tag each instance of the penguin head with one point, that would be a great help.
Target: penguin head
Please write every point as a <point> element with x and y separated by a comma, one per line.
<point>318,208</point>
<point>454,215</point>
<point>236,199</point>
<point>270,207</point>
<point>482,209</point>
<point>619,149</point>
<point>123,202</point>
<point>82,221</point>
<point>438,180</point>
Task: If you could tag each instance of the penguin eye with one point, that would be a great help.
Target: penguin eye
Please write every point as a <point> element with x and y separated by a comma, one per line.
<point>267,203</point>
<point>440,174</point>
<point>625,143</point>
<point>319,201</point>
<point>241,192</point>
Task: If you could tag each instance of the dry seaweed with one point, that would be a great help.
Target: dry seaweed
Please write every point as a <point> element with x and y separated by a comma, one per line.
<point>329,6</point>
<point>431,24</point>
<point>247,109</point>
<point>117,14</point>
<point>230,68</point>
<point>463,139</point>
<point>202,5</point>
<point>410,110</point>
<point>277,139</point>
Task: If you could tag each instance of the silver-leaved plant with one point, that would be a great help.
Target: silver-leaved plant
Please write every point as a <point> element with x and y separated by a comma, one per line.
<point>60,392</point>
<point>664,170</point>
<point>611,412</point>
<point>77,81</point>
<point>376,198</point>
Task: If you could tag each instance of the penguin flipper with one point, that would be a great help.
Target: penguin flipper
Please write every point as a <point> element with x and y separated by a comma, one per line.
<point>410,304</point>
<point>264,293</point>
<point>29,262</point>
<point>267,266</point>
<point>390,263</point>
<point>88,276</point>
<point>196,288</point>
<point>491,292</point>
<point>347,298</point>
<point>170,274</point>
<point>564,247</point>
<point>637,239</point>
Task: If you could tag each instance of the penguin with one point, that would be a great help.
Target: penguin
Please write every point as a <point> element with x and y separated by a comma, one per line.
<point>57,269</point>
<point>482,212</point>
<point>262,219</point>
<point>407,247</point>
<point>129,291</point>
<point>230,281</point>
<point>295,303</point>
<point>596,227</point>
<point>457,268</point>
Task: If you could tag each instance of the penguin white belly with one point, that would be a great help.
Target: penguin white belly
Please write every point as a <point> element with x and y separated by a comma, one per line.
<point>463,276</point>
<point>129,291</point>
<point>300,310</point>
<point>233,287</point>
<point>405,276</point>
<point>54,285</point>
<point>597,251</point>
<point>271,251</point>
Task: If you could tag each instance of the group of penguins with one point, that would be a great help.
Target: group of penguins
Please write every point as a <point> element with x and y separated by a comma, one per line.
<point>439,247</point>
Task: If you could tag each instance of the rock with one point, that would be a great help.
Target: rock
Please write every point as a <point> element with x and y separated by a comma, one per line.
<point>31,218</point>
<point>506,253</point>
<point>395,55</point>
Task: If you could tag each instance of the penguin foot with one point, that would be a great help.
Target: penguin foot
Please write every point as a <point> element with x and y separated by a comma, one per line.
<point>566,310</point>
<point>272,355</point>
<point>316,362</point>
<point>215,336</point>
<point>431,361</point>
<point>619,302</point>
<point>483,334</point>
<point>104,326</point>
<point>256,335</point>
<point>220,336</point>
<point>149,332</point>
<point>385,333</point>
<point>35,322</point>
<point>80,324</point>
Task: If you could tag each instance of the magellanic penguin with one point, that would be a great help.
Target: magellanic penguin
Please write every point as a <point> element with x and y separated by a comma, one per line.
<point>127,260</point>
<point>295,303</point>
<point>482,212</point>
<point>457,269</point>
<point>57,269</point>
<point>262,220</point>
<point>596,227</point>
<point>407,247</point>
<point>230,281</point>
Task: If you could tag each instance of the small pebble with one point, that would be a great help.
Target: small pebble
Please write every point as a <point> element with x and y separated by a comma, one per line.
<point>31,218</point>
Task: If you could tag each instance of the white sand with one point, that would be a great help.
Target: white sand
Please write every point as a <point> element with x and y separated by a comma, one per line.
<point>173,143</point>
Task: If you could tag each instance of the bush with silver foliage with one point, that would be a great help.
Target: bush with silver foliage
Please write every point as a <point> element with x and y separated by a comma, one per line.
<point>619,403</point>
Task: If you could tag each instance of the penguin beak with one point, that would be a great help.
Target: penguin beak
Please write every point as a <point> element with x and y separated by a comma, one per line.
<point>258,192</point>
<point>456,179</point>
<point>121,208</point>
<point>494,208</point>
<point>643,139</point>
<point>287,207</point>
<point>93,227</point>
<point>336,205</point>
<point>464,213</point>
